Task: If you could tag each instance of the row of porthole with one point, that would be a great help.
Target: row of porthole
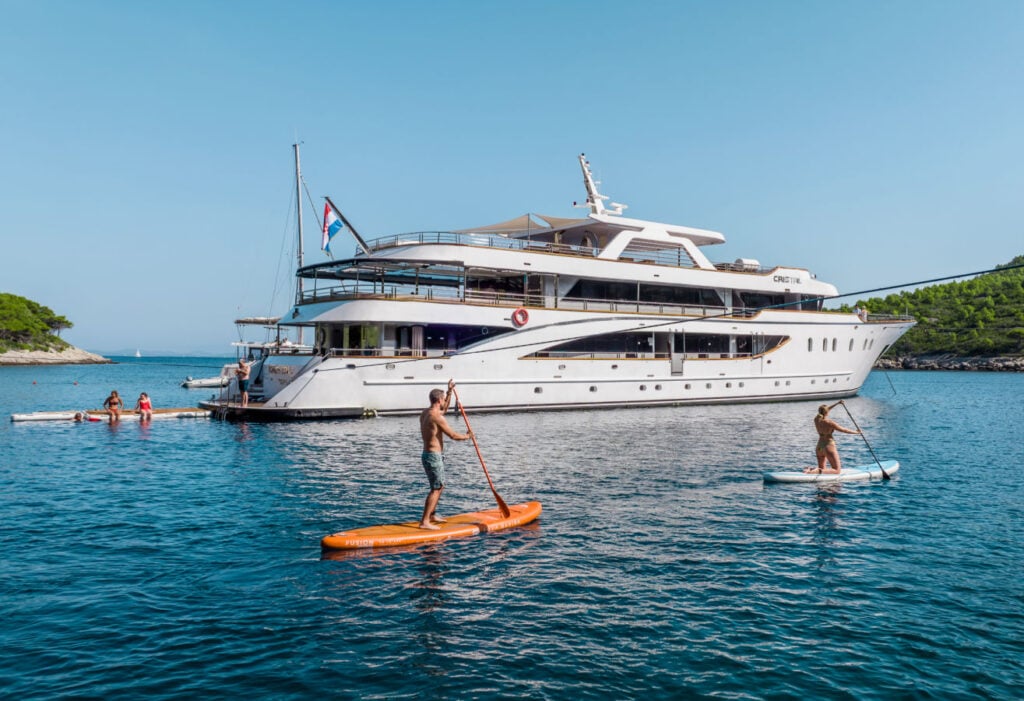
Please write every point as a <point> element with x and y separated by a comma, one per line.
<point>868,344</point>
<point>708,385</point>
<point>657,388</point>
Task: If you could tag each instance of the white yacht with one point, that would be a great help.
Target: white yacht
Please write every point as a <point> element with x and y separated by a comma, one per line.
<point>544,312</point>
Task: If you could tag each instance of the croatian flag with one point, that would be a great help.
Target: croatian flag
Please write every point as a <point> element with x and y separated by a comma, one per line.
<point>332,225</point>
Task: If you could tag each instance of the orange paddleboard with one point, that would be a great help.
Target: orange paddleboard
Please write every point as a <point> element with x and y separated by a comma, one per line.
<point>409,533</point>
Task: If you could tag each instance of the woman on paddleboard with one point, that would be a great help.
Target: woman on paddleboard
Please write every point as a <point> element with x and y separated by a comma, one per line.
<point>826,448</point>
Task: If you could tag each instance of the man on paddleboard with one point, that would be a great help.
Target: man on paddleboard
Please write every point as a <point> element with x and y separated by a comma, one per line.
<point>434,428</point>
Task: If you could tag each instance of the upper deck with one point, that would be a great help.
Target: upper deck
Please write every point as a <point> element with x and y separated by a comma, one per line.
<point>675,257</point>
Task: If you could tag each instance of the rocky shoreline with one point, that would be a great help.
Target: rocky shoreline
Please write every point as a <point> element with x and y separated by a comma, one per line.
<point>68,356</point>
<point>949,362</point>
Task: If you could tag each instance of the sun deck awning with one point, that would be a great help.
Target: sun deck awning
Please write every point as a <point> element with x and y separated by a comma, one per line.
<point>258,320</point>
<point>524,225</point>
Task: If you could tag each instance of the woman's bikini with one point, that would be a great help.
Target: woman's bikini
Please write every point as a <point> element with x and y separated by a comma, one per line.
<point>824,439</point>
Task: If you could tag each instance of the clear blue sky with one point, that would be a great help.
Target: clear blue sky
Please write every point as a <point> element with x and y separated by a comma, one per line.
<point>146,164</point>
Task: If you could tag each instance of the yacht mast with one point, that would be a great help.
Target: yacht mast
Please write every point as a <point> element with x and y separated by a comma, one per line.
<point>298,212</point>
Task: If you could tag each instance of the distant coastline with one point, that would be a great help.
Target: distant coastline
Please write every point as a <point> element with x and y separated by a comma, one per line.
<point>952,362</point>
<point>67,356</point>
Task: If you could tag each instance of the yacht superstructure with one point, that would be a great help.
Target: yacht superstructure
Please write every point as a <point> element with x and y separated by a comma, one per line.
<point>543,312</point>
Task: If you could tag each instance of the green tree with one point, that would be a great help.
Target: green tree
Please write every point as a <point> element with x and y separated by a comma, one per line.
<point>28,325</point>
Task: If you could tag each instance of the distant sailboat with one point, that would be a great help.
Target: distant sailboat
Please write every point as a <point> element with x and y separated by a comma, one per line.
<point>137,353</point>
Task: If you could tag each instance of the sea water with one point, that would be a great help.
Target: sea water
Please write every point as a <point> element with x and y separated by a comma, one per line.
<point>181,559</point>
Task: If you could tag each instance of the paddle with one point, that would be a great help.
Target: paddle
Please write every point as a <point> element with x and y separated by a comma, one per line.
<point>885,475</point>
<point>501,502</point>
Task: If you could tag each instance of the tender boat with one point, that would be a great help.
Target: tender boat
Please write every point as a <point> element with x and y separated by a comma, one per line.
<point>252,351</point>
<point>544,312</point>
<point>204,382</point>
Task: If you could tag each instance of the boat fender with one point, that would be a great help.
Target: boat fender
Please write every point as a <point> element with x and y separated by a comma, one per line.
<point>520,317</point>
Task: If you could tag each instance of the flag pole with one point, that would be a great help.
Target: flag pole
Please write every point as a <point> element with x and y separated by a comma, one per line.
<point>355,234</point>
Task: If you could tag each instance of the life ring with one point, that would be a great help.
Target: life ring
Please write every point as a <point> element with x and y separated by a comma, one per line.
<point>520,317</point>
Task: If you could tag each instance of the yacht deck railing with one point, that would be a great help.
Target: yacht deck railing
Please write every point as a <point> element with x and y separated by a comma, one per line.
<point>511,300</point>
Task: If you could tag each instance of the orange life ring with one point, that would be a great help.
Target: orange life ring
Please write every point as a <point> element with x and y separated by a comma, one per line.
<point>520,317</point>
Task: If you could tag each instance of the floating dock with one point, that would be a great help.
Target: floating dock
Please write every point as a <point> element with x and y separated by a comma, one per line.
<point>101,415</point>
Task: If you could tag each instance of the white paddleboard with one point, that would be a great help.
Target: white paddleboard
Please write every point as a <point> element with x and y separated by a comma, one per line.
<point>847,474</point>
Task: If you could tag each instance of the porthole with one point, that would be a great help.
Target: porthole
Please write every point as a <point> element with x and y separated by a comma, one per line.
<point>871,344</point>
<point>824,344</point>
<point>538,390</point>
<point>787,383</point>
<point>708,385</point>
<point>686,386</point>
<point>643,388</point>
<point>657,388</point>
<point>741,384</point>
<point>593,388</point>
<point>615,367</point>
<point>728,385</point>
<point>810,344</point>
<point>834,342</point>
<point>390,366</point>
<point>813,381</point>
<point>561,367</point>
<point>776,383</point>
<point>851,344</point>
<point>438,366</point>
<point>865,347</point>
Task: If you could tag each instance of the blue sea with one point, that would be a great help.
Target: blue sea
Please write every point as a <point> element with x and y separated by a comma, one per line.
<point>181,559</point>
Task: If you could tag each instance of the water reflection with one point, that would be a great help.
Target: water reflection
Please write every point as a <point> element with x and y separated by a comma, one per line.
<point>428,593</point>
<point>827,524</point>
<point>243,433</point>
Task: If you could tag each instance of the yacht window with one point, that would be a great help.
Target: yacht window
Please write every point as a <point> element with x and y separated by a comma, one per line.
<point>648,293</point>
<point>759,300</point>
<point>628,345</point>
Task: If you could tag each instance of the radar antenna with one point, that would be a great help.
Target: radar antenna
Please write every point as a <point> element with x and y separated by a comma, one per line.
<point>595,200</point>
